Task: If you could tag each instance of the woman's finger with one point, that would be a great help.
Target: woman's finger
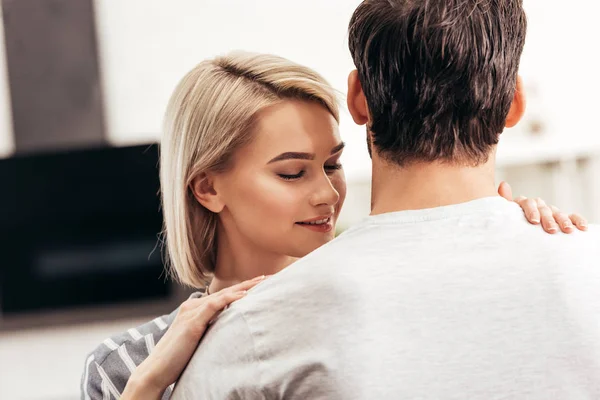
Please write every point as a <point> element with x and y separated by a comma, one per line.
<point>209,307</point>
<point>530,208</point>
<point>215,304</point>
<point>580,222</point>
<point>191,305</point>
<point>563,220</point>
<point>505,191</point>
<point>548,222</point>
<point>219,301</point>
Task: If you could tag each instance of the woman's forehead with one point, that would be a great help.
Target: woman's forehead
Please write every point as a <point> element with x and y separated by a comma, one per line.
<point>299,124</point>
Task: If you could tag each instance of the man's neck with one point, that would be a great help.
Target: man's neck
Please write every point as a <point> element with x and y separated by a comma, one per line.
<point>428,185</point>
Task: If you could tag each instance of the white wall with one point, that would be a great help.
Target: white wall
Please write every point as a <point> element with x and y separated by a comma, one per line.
<point>6,136</point>
<point>561,58</point>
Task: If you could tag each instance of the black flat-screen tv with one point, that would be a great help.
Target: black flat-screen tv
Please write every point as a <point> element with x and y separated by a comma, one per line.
<point>80,227</point>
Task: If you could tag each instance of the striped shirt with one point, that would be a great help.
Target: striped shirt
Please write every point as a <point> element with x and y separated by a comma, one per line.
<point>108,368</point>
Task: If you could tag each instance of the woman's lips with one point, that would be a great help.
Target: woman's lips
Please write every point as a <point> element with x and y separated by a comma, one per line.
<point>322,225</point>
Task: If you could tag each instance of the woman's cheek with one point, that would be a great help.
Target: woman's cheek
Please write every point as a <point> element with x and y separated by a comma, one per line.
<point>278,195</point>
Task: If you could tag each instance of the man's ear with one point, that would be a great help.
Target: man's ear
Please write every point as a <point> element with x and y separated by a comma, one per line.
<point>203,188</point>
<point>517,108</point>
<point>357,103</point>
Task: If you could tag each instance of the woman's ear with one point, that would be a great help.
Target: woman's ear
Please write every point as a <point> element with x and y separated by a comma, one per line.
<point>203,188</point>
<point>517,108</point>
<point>357,103</point>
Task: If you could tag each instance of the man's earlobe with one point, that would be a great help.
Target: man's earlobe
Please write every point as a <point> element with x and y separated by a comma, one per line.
<point>357,103</point>
<point>518,105</point>
<point>204,192</point>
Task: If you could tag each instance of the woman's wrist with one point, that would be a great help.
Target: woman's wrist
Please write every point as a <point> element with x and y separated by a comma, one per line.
<point>143,385</point>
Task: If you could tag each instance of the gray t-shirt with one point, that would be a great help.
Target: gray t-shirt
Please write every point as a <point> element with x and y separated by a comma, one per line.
<point>467,301</point>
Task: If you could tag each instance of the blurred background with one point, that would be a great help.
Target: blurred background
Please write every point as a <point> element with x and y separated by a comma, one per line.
<point>83,88</point>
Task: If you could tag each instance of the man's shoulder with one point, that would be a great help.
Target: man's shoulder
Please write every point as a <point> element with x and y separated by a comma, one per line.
<point>337,252</point>
<point>308,285</point>
<point>586,242</point>
<point>318,269</point>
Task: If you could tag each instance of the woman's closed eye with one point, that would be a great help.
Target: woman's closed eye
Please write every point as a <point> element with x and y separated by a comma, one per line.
<point>329,169</point>
<point>292,177</point>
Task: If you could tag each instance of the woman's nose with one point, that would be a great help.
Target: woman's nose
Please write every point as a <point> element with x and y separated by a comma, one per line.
<point>325,193</point>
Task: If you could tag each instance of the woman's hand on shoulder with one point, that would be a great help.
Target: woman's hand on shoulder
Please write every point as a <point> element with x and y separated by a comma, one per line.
<point>172,353</point>
<point>538,212</point>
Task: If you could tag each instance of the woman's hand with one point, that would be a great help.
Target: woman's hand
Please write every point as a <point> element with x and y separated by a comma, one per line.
<point>172,353</point>
<point>537,211</point>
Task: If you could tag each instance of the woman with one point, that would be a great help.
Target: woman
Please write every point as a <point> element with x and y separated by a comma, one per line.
<point>251,181</point>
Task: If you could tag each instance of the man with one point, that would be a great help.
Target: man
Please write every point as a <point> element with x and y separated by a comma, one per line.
<point>445,291</point>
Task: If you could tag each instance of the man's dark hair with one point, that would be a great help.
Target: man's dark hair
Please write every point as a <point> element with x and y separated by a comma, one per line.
<point>439,76</point>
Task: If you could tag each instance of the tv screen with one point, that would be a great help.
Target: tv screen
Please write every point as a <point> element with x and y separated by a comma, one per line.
<point>80,227</point>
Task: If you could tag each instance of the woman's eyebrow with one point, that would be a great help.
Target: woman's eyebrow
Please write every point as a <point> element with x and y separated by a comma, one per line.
<point>294,155</point>
<point>291,155</point>
<point>338,148</point>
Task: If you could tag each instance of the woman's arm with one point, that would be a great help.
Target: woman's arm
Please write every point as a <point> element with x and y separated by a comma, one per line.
<point>537,212</point>
<point>172,353</point>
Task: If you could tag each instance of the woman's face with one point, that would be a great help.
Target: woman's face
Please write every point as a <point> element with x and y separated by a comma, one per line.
<point>284,190</point>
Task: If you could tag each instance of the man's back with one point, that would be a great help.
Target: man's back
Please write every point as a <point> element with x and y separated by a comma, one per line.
<point>458,302</point>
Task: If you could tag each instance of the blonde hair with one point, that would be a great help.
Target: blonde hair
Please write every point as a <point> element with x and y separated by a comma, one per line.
<point>210,115</point>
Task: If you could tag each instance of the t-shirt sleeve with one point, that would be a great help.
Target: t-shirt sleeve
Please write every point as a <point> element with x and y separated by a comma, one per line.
<point>224,365</point>
<point>108,368</point>
<point>91,381</point>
